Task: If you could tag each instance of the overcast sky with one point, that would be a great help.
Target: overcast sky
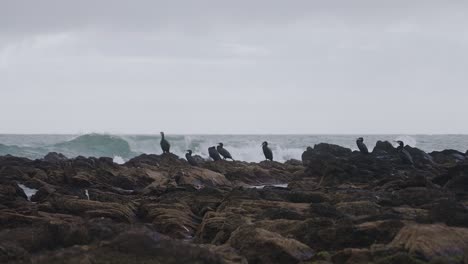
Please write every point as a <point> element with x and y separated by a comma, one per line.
<point>244,66</point>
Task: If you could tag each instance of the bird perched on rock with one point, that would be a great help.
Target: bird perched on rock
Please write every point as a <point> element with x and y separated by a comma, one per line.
<point>405,156</point>
<point>214,154</point>
<point>226,155</point>
<point>165,144</point>
<point>267,151</point>
<point>362,147</point>
<point>190,159</point>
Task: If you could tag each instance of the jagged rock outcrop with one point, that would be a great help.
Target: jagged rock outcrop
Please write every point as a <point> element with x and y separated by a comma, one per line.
<point>334,206</point>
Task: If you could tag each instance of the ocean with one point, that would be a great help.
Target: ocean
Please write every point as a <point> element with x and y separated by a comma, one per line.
<point>242,147</point>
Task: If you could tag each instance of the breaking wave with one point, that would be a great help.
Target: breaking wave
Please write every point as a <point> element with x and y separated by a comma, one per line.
<point>242,147</point>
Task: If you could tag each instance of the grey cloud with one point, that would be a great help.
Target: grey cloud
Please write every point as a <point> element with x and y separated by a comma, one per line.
<point>260,66</point>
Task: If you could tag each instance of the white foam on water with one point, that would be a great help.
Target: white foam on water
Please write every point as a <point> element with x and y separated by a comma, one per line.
<point>28,191</point>
<point>283,185</point>
<point>118,160</point>
<point>242,147</point>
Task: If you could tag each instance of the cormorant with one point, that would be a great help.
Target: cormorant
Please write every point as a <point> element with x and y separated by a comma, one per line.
<point>223,151</point>
<point>267,151</point>
<point>362,147</point>
<point>405,156</point>
<point>190,159</point>
<point>214,153</point>
<point>165,144</point>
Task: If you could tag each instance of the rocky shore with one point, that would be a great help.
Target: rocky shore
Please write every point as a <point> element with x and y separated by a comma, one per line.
<point>338,206</point>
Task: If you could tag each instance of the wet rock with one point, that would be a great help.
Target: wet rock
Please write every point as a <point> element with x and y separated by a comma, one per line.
<point>349,206</point>
<point>450,212</point>
<point>172,219</point>
<point>458,180</point>
<point>142,246</point>
<point>55,157</point>
<point>89,208</point>
<point>419,156</point>
<point>325,210</point>
<point>216,228</point>
<point>200,177</point>
<point>11,253</point>
<point>353,256</point>
<point>251,174</point>
<point>378,232</point>
<point>43,193</point>
<point>10,193</point>
<point>282,194</point>
<point>412,214</point>
<point>384,148</point>
<point>359,208</point>
<point>433,242</point>
<point>80,180</point>
<point>448,156</point>
<point>262,246</point>
<point>331,149</point>
<point>400,257</point>
<point>417,196</point>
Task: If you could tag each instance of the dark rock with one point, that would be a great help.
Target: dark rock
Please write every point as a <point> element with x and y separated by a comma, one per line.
<point>417,196</point>
<point>450,212</point>
<point>447,244</point>
<point>198,159</point>
<point>158,209</point>
<point>80,180</point>
<point>55,157</point>
<point>448,156</point>
<point>384,147</point>
<point>11,253</point>
<point>324,150</point>
<point>419,156</point>
<point>142,246</point>
<point>262,246</point>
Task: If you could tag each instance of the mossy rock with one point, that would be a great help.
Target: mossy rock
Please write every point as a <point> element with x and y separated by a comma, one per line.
<point>401,258</point>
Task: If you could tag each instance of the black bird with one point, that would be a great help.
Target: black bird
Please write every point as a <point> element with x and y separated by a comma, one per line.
<point>214,154</point>
<point>165,144</point>
<point>405,156</point>
<point>190,159</point>
<point>267,151</point>
<point>362,147</point>
<point>226,155</point>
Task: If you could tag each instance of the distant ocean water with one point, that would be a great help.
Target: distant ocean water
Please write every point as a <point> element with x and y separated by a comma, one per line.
<point>242,147</point>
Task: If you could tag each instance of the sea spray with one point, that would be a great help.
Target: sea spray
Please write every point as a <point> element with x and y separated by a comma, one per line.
<point>408,140</point>
<point>242,147</point>
<point>118,160</point>
<point>28,191</point>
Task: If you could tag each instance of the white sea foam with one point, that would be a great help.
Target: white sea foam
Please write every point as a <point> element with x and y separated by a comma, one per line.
<point>28,191</point>
<point>408,140</point>
<point>118,160</point>
<point>284,185</point>
<point>242,147</point>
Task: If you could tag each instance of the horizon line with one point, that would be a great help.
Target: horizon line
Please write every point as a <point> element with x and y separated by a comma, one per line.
<point>241,134</point>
